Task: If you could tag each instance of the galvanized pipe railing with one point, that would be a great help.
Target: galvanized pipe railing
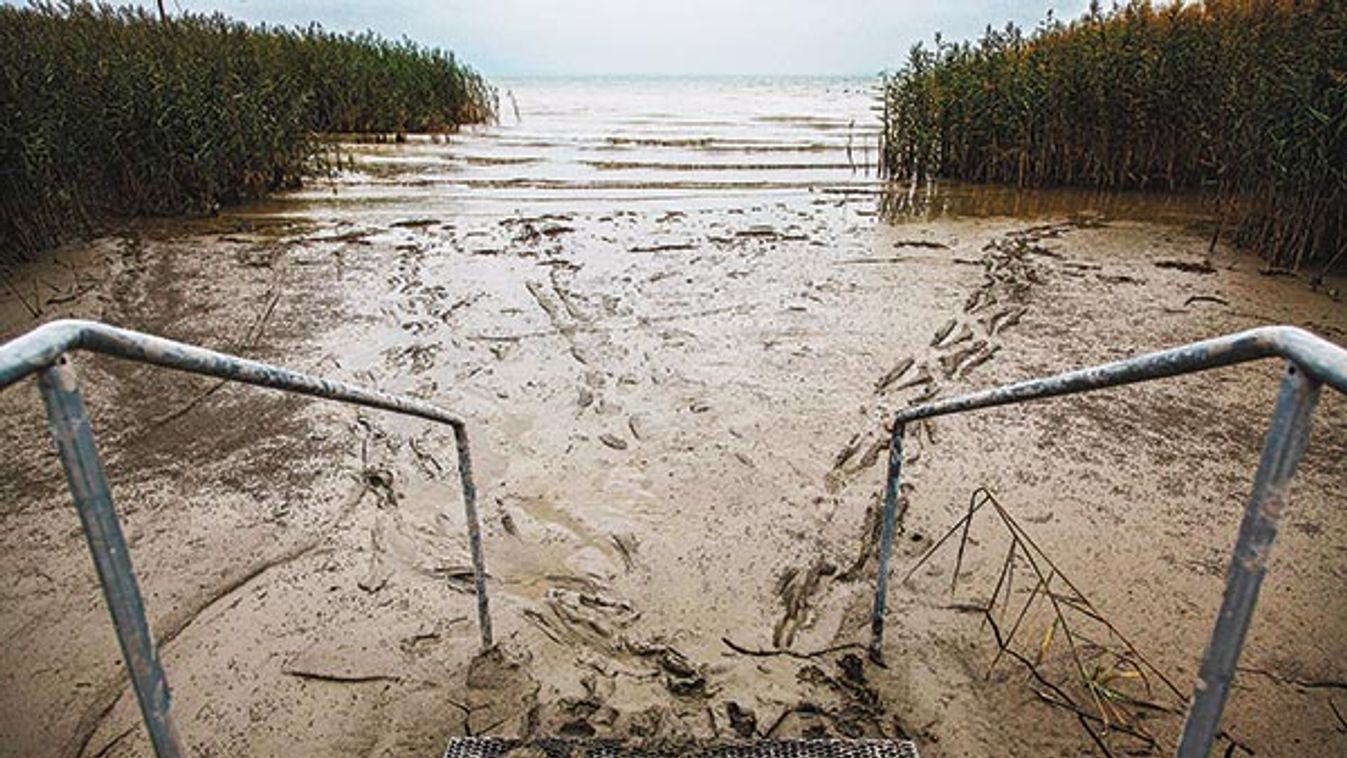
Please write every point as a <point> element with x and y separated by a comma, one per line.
<point>44,351</point>
<point>1310,363</point>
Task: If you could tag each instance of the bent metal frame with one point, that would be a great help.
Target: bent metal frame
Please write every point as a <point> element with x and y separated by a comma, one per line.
<point>44,351</point>
<point>1310,363</point>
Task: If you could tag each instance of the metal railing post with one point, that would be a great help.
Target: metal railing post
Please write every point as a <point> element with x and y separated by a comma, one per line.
<point>474,534</point>
<point>891,495</point>
<point>1311,362</point>
<point>70,430</point>
<point>1282,450</point>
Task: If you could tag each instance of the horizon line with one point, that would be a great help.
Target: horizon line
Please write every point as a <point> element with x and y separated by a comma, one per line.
<point>673,75</point>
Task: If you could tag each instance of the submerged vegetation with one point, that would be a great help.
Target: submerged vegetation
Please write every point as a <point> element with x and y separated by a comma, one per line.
<point>1246,98</point>
<point>114,111</point>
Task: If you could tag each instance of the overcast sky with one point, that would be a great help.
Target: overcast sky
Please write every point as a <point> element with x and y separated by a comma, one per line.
<point>513,37</point>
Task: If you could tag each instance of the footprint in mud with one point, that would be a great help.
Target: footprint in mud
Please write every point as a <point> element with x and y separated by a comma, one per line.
<point>844,704</point>
<point>951,362</point>
<point>601,625</point>
<point>501,692</point>
<point>961,344</point>
<point>639,427</point>
<point>574,618</point>
<point>951,337</point>
<point>893,375</point>
<point>837,699</point>
<point>658,730</point>
<point>861,452</point>
<point>410,532</point>
<point>413,359</point>
<point>796,590</point>
<point>551,544</point>
<point>555,311</point>
<point>575,318</point>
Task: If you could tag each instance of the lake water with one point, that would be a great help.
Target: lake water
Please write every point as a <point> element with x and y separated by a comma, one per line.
<point>694,142</point>
<point>686,144</point>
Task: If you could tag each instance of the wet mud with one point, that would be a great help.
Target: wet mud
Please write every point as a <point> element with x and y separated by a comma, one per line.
<point>677,385</point>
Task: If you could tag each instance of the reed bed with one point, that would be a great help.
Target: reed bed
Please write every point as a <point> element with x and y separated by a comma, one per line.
<point>1246,98</point>
<point>110,111</point>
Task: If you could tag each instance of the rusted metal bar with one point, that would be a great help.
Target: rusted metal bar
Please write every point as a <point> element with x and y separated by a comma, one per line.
<point>1311,362</point>
<point>1282,450</point>
<point>74,440</point>
<point>887,528</point>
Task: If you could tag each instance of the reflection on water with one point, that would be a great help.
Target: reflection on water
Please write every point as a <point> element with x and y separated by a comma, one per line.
<point>916,202</point>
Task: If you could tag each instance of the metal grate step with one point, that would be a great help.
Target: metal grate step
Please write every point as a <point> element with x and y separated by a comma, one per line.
<point>496,747</point>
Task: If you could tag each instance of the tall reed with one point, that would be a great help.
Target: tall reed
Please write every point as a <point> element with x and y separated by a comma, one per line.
<point>1245,97</point>
<point>112,111</point>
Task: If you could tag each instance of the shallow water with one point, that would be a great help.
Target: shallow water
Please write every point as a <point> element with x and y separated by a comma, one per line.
<point>640,143</point>
<point>685,144</point>
<point>906,203</point>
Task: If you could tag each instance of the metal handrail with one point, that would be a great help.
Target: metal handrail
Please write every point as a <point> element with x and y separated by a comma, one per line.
<point>1310,363</point>
<point>44,351</point>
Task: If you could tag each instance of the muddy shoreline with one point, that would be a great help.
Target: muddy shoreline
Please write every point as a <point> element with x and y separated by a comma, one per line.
<point>677,409</point>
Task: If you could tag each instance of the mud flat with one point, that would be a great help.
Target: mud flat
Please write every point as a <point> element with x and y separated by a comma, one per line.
<point>676,389</point>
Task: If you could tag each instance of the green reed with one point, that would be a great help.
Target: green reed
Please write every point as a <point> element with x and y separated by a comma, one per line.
<point>113,112</point>
<point>1247,98</point>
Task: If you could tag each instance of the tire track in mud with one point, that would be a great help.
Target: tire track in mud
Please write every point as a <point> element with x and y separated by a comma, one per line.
<point>1013,265</point>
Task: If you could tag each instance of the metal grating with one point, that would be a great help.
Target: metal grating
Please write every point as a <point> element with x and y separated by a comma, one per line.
<point>496,747</point>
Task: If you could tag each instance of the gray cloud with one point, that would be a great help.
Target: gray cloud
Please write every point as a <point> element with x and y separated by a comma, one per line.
<point>511,37</point>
